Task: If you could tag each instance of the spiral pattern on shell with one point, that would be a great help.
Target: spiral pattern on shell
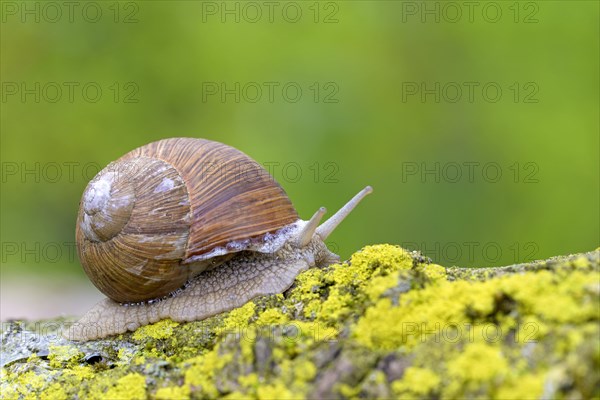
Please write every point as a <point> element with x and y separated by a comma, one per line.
<point>171,209</point>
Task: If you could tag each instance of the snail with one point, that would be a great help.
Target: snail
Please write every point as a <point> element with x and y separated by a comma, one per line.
<point>185,229</point>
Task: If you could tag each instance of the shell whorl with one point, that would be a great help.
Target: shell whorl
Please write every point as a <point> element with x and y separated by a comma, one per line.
<point>133,230</point>
<point>107,204</point>
<point>155,218</point>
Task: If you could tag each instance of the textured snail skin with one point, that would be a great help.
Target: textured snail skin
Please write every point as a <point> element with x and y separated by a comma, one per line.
<point>246,276</point>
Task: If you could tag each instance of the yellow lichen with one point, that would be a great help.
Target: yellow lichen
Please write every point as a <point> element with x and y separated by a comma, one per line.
<point>54,392</point>
<point>32,382</point>
<point>336,307</point>
<point>200,371</point>
<point>247,338</point>
<point>239,396</point>
<point>382,257</point>
<point>125,355</point>
<point>580,262</point>
<point>62,355</point>
<point>173,393</point>
<point>528,386</point>
<point>275,391</point>
<point>416,382</point>
<point>478,362</point>
<point>447,306</point>
<point>237,319</point>
<point>369,274</point>
<point>304,371</point>
<point>380,284</point>
<point>310,332</point>
<point>78,373</point>
<point>139,360</point>
<point>348,391</point>
<point>160,330</point>
<point>131,386</point>
<point>297,373</point>
<point>249,381</point>
<point>371,261</point>
<point>33,358</point>
<point>271,316</point>
<point>434,272</point>
<point>308,283</point>
<point>460,338</point>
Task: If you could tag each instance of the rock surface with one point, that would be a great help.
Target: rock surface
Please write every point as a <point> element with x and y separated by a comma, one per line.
<point>386,324</point>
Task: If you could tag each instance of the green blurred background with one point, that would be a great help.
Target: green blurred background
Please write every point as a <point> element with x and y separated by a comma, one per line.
<point>369,113</point>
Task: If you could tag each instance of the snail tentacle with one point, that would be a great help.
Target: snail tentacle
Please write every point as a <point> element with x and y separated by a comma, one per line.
<point>328,226</point>
<point>309,229</point>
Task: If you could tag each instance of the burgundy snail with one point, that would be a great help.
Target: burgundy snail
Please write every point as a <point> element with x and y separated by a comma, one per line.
<point>187,228</point>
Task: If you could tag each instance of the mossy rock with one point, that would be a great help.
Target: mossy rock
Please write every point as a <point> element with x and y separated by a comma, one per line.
<point>386,324</point>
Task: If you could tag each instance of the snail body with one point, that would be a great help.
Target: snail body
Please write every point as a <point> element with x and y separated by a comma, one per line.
<point>188,228</point>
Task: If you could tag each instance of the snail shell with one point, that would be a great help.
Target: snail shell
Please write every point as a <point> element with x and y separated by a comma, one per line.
<point>167,211</point>
<point>187,228</point>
